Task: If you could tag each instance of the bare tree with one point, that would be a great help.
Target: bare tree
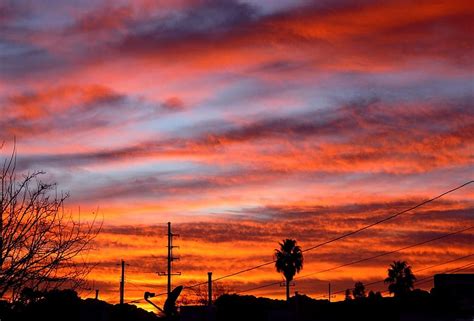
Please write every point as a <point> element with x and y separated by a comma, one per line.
<point>41,244</point>
<point>199,295</point>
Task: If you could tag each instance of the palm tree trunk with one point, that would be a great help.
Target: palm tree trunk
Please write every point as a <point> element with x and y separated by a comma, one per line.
<point>287,290</point>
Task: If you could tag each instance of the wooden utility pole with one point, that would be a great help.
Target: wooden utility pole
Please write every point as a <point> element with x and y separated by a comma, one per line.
<point>209,288</point>
<point>329,291</point>
<point>122,283</point>
<point>171,258</point>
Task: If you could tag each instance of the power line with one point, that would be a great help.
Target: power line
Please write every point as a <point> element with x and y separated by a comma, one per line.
<point>137,300</point>
<point>337,239</point>
<point>389,217</point>
<point>355,262</point>
<point>230,275</point>
<point>170,259</point>
<point>390,252</point>
<point>344,235</point>
<point>422,280</point>
<point>427,279</point>
<point>141,288</point>
<point>418,270</point>
<point>365,259</point>
<point>141,299</point>
<point>436,265</point>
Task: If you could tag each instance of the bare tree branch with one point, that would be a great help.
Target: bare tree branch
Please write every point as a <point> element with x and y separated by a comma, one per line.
<point>40,243</point>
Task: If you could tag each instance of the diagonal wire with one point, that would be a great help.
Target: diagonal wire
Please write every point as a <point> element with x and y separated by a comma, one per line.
<point>366,259</point>
<point>346,234</point>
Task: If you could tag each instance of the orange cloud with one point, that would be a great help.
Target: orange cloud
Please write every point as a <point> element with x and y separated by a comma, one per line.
<point>245,126</point>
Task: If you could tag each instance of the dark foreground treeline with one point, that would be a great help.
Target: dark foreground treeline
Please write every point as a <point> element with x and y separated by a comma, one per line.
<point>418,305</point>
<point>65,305</point>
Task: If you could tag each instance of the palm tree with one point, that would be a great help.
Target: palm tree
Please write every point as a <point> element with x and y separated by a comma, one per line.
<point>401,278</point>
<point>289,261</point>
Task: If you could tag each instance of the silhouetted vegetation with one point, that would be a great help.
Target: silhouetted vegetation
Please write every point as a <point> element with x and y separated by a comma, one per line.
<point>407,304</point>
<point>198,295</point>
<point>374,295</point>
<point>65,305</point>
<point>400,278</point>
<point>289,261</point>
<point>39,240</point>
<point>60,305</point>
<point>416,305</point>
<point>442,304</point>
<point>359,290</point>
<point>347,295</point>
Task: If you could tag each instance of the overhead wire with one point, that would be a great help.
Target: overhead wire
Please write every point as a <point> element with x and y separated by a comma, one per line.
<point>364,259</point>
<point>339,238</point>
<point>346,234</point>
<point>417,270</point>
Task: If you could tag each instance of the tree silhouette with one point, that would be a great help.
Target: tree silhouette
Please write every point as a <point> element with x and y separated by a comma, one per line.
<point>289,261</point>
<point>39,241</point>
<point>348,295</point>
<point>374,295</point>
<point>400,278</point>
<point>199,294</point>
<point>359,290</point>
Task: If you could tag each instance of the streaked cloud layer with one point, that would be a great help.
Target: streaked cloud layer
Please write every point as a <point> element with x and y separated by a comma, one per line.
<point>245,122</point>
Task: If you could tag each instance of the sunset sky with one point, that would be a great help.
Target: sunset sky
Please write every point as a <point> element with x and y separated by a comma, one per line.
<point>244,123</point>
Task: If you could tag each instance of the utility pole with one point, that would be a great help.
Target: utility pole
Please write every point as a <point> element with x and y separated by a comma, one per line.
<point>122,283</point>
<point>97,294</point>
<point>171,258</point>
<point>209,288</point>
<point>329,291</point>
